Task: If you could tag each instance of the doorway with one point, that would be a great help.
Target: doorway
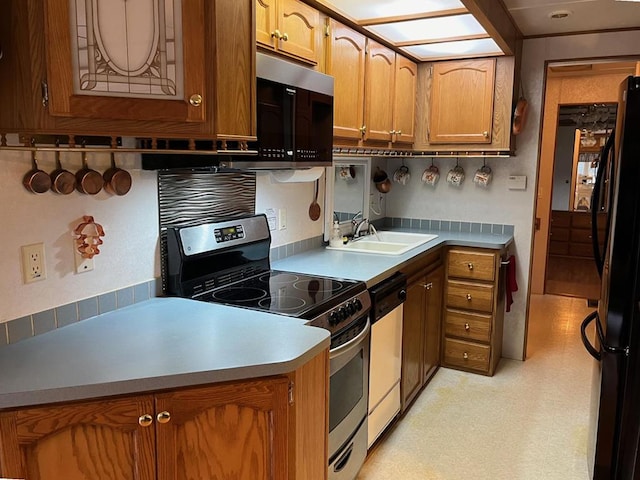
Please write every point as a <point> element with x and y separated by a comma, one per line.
<point>567,84</point>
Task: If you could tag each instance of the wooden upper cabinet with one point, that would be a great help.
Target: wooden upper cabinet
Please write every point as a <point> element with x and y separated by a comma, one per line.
<point>404,105</point>
<point>120,61</point>
<point>89,441</point>
<point>136,68</point>
<point>461,109</point>
<point>379,98</point>
<point>346,63</point>
<point>374,89</point>
<point>290,27</point>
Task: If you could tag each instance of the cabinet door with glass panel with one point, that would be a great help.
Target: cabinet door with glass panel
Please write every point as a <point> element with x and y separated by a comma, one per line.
<point>126,60</point>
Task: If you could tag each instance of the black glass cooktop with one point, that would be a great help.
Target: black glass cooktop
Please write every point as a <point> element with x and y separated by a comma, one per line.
<point>285,293</point>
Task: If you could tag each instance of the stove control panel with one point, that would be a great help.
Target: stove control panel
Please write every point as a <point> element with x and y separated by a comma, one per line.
<point>228,233</point>
<point>344,314</point>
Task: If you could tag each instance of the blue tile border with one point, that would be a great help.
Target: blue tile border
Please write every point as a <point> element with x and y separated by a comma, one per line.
<point>284,251</point>
<point>63,315</point>
<point>447,225</point>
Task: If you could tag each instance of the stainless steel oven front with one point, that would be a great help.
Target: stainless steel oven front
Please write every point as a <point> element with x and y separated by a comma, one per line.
<point>348,396</point>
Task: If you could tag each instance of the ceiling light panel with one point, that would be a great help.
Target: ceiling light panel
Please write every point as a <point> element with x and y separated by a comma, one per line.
<point>366,9</point>
<point>467,48</point>
<point>428,29</point>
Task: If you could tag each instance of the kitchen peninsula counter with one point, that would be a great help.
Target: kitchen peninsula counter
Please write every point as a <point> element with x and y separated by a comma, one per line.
<point>158,344</point>
<point>374,267</point>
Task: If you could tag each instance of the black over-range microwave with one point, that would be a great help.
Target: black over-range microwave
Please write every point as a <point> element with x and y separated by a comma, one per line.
<point>294,123</point>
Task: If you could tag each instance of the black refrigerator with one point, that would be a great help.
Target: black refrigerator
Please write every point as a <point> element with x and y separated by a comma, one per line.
<point>614,435</point>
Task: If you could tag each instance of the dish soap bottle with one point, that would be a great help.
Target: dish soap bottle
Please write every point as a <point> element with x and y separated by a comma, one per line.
<point>335,238</point>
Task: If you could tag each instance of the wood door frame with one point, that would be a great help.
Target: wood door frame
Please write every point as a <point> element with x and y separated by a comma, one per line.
<point>555,95</point>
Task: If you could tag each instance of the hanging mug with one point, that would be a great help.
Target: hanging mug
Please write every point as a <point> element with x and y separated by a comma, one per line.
<point>456,176</point>
<point>431,175</point>
<point>482,176</point>
<point>402,175</point>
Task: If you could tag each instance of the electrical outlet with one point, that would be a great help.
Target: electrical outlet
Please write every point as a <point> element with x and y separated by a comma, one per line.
<point>33,262</point>
<point>282,214</point>
<point>82,264</point>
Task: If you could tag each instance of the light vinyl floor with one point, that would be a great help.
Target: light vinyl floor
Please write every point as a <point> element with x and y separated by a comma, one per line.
<point>527,422</point>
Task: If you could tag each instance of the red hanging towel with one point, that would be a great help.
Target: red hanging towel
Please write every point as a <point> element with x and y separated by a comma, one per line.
<point>512,285</point>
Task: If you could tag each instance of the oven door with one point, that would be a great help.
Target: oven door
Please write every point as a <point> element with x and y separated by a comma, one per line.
<point>348,390</point>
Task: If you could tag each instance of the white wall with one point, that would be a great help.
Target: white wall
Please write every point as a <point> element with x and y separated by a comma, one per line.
<point>128,256</point>
<point>295,198</point>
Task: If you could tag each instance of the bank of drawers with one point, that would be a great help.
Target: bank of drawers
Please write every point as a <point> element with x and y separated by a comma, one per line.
<point>473,318</point>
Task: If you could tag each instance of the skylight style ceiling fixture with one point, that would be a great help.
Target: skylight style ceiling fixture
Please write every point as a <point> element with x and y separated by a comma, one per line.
<point>425,30</point>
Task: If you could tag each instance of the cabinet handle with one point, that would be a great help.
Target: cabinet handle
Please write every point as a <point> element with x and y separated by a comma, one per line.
<point>399,132</point>
<point>465,355</point>
<point>470,265</point>
<point>284,37</point>
<point>276,34</point>
<point>145,420</point>
<point>428,286</point>
<point>467,327</point>
<point>164,417</point>
<point>363,129</point>
<point>485,134</point>
<point>195,99</point>
<point>468,297</point>
<point>392,132</point>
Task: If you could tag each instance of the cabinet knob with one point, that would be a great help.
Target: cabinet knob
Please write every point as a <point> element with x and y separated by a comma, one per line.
<point>428,286</point>
<point>467,327</point>
<point>392,132</point>
<point>164,417</point>
<point>468,297</point>
<point>363,129</point>
<point>284,37</point>
<point>145,420</point>
<point>276,34</point>
<point>195,99</point>
<point>485,134</point>
<point>465,355</point>
<point>470,265</point>
<point>399,132</point>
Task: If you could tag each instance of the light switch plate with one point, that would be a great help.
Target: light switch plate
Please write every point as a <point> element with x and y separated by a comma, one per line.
<point>517,182</point>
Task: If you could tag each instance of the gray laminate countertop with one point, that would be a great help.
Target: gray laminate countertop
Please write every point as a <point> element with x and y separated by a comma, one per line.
<point>373,267</point>
<point>153,345</point>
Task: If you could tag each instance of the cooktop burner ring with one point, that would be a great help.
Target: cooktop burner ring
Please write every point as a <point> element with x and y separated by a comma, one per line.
<point>239,294</point>
<point>279,278</point>
<point>282,303</point>
<point>314,285</point>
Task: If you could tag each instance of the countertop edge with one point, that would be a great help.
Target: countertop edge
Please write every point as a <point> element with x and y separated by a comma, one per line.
<point>146,386</point>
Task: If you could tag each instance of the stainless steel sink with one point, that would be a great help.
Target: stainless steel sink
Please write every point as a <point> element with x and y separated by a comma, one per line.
<point>386,243</point>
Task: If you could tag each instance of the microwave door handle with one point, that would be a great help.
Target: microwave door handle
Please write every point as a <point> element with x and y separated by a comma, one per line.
<point>290,123</point>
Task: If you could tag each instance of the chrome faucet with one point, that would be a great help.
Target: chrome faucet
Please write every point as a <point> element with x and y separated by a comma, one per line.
<point>361,228</point>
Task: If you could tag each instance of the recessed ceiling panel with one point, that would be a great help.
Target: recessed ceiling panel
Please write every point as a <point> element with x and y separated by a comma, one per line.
<point>366,9</point>
<point>428,29</point>
<point>467,48</point>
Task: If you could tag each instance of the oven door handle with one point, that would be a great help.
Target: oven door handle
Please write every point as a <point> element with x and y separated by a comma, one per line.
<point>351,344</point>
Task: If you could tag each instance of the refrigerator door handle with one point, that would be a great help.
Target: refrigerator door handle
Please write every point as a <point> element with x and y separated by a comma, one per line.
<point>606,159</point>
<point>583,334</point>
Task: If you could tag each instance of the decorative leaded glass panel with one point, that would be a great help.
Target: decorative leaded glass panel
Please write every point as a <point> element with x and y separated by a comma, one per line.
<point>127,48</point>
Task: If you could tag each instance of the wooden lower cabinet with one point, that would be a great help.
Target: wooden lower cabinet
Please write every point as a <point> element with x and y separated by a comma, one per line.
<point>240,430</point>
<point>474,312</point>
<point>421,326</point>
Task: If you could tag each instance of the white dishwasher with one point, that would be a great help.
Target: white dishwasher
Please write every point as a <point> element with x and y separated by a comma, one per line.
<point>386,353</point>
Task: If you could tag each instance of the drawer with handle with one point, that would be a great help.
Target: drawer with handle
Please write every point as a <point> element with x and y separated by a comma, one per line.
<point>467,325</point>
<point>472,296</point>
<point>472,265</point>
<point>467,355</point>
